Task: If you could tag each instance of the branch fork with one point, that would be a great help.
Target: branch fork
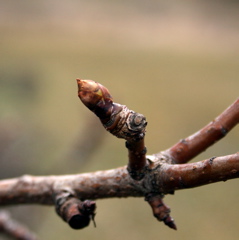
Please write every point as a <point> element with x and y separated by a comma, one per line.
<point>150,176</point>
<point>126,124</point>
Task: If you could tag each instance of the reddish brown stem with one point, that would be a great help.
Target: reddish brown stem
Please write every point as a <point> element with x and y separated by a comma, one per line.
<point>193,145</point>
<point>137,159</point>
<point>161,178</point>
<point>190,175</point>
<point>160,210</point>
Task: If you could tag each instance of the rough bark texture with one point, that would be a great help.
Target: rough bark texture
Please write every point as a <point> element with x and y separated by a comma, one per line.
<point>150,176</point>
<point>160,177</point>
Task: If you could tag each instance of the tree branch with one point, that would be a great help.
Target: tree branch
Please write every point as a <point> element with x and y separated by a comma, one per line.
<point>43,189</point>
<point>188,148</point>
<point>145,176</point>
<point>160,210</point>
<point>13,228</point>
<point>183,176</point>
<point>161,178</point>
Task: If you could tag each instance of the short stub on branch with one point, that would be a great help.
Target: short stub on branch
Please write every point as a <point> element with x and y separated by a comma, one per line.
<point>75,212</point>
<point>119,121</point>
<point>160,210</point>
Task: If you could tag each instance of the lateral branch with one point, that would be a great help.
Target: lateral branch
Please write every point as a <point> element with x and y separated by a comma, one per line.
<point>150,176</point>
<point>188,148</point>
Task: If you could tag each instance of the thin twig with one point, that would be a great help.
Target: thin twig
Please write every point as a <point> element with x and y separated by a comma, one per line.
<point>14,229</point>
<point>188,148</point>
<point>160,210</point>
<point>190,175</point>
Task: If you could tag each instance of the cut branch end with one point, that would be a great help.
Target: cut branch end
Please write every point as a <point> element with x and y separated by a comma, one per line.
<point>75,212</point>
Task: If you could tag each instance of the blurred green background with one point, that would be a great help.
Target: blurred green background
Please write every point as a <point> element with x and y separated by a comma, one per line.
<point>177,62</point>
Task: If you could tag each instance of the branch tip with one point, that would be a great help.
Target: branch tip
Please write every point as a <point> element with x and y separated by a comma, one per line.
<point>95,96</point>
<point>160,210</point>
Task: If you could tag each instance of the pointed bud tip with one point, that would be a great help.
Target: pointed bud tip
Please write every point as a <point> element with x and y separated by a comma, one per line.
<point>89,92</point>
<point>83,86</point>
<point>79,84</point>
<point>171,224</point>
<point>86,85</point>
<point>82,83</point>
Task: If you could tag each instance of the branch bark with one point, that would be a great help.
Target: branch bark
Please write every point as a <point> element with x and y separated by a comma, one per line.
<point>150,176</point>
<point>161,177</point>
<point>183,176</point>
<point>188,148</point>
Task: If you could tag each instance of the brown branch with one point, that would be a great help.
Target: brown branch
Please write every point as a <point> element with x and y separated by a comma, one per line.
<point>188,148</point>
<point>118,120</point>
<point>160,210</point>
<point>137,159</point>
<point>183,176</point>
<point>152,177</point>
<point>161,178</point>
<point>14,229</point>
<point>42,189</point>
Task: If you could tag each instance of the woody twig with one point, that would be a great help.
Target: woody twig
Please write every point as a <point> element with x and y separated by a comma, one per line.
<point>188,148</point>
<point>118,120</point>
<point>151,176</point>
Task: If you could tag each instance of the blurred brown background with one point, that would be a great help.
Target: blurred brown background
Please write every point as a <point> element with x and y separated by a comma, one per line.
<point>177,62</point>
